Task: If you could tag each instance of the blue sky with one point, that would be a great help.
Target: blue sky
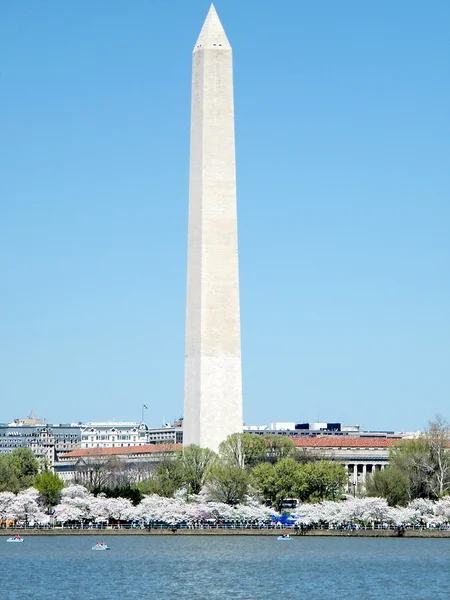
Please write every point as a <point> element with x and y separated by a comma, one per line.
<point>343,149</point>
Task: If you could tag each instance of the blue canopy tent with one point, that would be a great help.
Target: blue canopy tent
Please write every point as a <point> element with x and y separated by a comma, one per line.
<point>287,520</point>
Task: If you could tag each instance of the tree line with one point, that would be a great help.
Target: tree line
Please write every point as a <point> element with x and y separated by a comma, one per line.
<point>20,470</point>
<point>270,468</point>
<point>417,468</point>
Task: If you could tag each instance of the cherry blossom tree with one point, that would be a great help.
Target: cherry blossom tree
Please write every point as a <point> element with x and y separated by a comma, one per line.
<point>75,504</point>
<point>400,515</point>
<point>422,510</point>
<point>104,509</point>
<point>374,510</point>
<point>26,507</point>
<point>254,511</point>
<point>7,499</point>
<point>68,511</point>
<point>442,509</point>
<point>74,491</point>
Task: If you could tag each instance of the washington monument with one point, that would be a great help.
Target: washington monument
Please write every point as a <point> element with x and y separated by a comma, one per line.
<point>213,381</point>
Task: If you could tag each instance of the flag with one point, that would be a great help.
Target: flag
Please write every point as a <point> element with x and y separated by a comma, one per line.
<point>145,406</point>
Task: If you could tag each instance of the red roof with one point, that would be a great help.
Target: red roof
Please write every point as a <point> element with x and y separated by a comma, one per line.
<point>145,449</point>
<point>302,442</point>
<point>344,442</point>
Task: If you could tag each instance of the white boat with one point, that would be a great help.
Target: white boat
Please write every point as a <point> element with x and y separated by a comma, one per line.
<point>100,546</point>
<point>284,538</point>
<point>14,539</point>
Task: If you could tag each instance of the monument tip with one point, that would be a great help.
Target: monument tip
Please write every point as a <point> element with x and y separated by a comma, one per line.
<point>212,35</point>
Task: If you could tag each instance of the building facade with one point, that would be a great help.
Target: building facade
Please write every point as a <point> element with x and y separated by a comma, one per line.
<point>361,456</point>
<point>168,434</point>
<point>111,434</point>
<point>47,442</point>
<point>120,465</point>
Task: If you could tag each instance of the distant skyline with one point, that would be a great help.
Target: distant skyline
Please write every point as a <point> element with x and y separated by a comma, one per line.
<point>343,153</point>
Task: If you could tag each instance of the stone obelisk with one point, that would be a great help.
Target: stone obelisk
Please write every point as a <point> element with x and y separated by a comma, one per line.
<point>213,381</point>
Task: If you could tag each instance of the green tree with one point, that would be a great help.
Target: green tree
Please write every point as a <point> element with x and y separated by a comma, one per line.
<point>319,481</point>
<point>26,466</point>
<point>245,450</point>
<point>49,485</point>
<point>278,447</point>
<point>18,469</point>
<point>9,481</point>
<point>228,483</point>
<point>277,482</point>
<point>307,482</point>
<point>167,479</point>
<point>390,484</point>
<point>130,492</point>
<point>418,468</point>
<point>196,463</point>
<point>410,458</point>
<point>438,439</point>
<point>264,479</point>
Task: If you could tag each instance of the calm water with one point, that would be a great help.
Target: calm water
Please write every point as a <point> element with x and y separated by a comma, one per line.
<point>209,568</point>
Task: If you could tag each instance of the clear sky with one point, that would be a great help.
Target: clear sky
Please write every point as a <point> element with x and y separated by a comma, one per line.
<point>343,149</point>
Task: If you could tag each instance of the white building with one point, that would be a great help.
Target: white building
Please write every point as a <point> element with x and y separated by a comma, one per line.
<point>282,426</point>
<point>113,434</point>
<point>167,434</point>
<point>293,429</point>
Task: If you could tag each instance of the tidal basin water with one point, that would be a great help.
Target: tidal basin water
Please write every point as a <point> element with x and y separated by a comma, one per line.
<point>219,567</point>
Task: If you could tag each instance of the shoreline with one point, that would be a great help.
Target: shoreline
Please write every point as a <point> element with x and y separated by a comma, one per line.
<point>225,532</point>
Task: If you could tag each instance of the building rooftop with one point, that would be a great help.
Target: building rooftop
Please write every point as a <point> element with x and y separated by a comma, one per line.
<point>120,451</point>
<point>344,442</point>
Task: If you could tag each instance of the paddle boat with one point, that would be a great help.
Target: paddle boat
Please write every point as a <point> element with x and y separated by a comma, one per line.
<point>15,538</point>
<point>100,546</point>
<point>284,538</point>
